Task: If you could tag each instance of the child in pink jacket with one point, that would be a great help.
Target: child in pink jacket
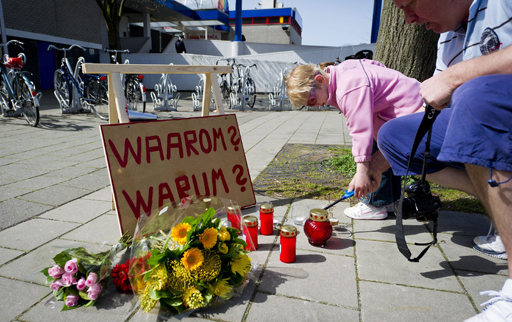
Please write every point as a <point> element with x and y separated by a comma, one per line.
<point>368,94</point>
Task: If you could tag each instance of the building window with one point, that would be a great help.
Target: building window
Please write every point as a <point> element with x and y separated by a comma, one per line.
<point>260,20</point>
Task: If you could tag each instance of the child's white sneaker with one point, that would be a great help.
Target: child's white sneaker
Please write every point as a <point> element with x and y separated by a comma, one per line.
<point>363,211</point>
<point>499,308</point>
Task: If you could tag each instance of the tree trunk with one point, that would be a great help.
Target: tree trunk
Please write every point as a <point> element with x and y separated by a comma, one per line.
<point>112,12</point>
<point>410,49</point>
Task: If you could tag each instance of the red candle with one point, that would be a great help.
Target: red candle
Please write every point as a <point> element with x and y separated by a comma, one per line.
<point>288,243</point>
<point>250,227</point>
<point>267,219</point>
<point>235,216</point>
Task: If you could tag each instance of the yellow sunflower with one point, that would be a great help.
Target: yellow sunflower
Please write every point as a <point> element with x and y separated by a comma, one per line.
<point>179,233</point>
<point>192,259</point>
<point>223,289</point>
<point>241,265</point>
<point>224,234</point>
<point>209,238</point>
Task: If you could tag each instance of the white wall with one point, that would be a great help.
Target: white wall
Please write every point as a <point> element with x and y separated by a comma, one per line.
<point>270,63</point>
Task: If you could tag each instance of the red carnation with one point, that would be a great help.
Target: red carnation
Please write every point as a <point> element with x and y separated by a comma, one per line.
<point>120,277</point>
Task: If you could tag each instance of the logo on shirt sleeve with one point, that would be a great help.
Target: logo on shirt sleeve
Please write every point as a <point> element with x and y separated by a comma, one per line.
<point>489,41</point>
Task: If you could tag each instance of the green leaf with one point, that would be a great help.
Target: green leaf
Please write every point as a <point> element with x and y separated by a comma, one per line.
<point>208,215</point>
<point>188,220</point>
<point>84,295</point>
<point>50,280</point>
<point>156,258</point>
<point>240,241</point>
<point>89,304</point>
<point>208,294</point>
<point>45,271</point>
<point>173,301</point>
<point>164,294</point>
<point>61,258</point>
<point>153,294</point>
<point>60,294</point>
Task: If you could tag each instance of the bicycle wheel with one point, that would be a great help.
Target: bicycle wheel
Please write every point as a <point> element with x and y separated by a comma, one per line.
<point>133,95</point>
<point>96,92</point>
<point>29,109</point>
<point>62,89</point>
<point>4,97</point>
<point>250,89</point>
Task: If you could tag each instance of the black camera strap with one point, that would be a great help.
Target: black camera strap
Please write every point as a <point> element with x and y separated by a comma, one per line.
<point>425,126</point>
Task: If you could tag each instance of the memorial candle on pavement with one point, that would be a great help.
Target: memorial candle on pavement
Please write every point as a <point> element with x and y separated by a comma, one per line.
<point>288,243</point>
<point>267,219</point>
<point>235,216</point>
<point>250,228</point>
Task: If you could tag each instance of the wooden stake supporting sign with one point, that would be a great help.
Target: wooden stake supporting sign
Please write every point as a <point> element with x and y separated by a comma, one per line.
<point>154,163</point>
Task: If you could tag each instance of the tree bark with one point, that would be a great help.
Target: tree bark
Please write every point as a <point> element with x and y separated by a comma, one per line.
<point>112,13</point>
<point>410,49</point>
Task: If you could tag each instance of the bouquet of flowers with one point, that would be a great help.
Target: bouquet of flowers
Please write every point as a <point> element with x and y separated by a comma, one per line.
<point>77,277</point>
<point>186,257</point>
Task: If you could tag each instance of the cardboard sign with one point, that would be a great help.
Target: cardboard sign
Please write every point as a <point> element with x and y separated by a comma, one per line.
<point>154,163</point>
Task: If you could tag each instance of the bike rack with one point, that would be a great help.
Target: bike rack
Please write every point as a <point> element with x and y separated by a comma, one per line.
<point>238,99</point>
<point>77,104</point>
<point>197,97</point>
<point>165,96</point>
<point>278,97</point>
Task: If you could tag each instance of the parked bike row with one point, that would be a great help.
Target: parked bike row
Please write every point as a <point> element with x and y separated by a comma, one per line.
<point>78,92</point>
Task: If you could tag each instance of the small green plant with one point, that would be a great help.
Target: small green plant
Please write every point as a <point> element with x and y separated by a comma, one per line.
<point>344,162</point>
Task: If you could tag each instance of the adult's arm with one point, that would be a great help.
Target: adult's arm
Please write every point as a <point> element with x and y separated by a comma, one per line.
<point>437,90</point>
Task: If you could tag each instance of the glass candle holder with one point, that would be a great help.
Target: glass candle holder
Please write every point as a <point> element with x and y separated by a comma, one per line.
<point>235,216</point>
<point>317,227</point>
<point>250,229</point>
<point>299,214</point>
<point>267,219</point>
<point>288,244</point>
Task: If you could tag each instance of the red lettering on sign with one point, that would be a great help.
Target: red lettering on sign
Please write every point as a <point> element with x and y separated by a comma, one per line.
<point>205,184</point>
<point>216,175</point>
<point>218,135</point>
<point>127,148</point>
<point>239,177</point>
<point>171,145</point>
<point>183,186</point>
<point>190,141</point>
<point>157,148</point>
<point>233,141</point>
<point>203,134</point>
<point>164,195</point>
<point>140,203</point>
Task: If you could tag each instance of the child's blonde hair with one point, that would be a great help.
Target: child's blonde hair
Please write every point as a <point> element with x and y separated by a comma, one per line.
<point>299,82</point>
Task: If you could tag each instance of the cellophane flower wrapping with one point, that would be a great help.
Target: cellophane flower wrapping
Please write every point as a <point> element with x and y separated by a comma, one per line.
<point>187,257</point>
<point>78,276</point>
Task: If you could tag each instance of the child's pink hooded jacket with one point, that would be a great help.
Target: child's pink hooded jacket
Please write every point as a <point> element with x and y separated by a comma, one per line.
<point>370,94</point>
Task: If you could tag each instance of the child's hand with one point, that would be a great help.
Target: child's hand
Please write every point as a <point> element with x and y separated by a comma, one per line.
<point>362,183</point>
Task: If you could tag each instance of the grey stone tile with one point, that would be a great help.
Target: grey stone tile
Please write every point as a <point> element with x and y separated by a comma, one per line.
<point>8,254</point>
<point>385,302</point>
<point>71,172</point>
<point>96,163</point>
<point>110,306</point>
<point>104,229</point>
<point>55,195</point>
<point>89,182</point>
<point>312,269</point>
<point>9,193</point>
<point>280,308</point>
<point>37,182</point>
<point>459,251</point>
<point>81,210</point>
<point>33,233</point>
<point>393,267</point>
<point>17,171</point>
<point>18,297</point>
<point>15,211</point>
<point>463,223</point>
<point>385,229</point>
<point>104,194</point>
<point>476,283</point>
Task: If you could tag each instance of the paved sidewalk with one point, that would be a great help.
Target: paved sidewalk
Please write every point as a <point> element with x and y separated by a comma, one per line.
<point>55,194</point>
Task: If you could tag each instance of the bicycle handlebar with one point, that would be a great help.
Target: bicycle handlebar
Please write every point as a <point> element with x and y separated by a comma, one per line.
<point>65,49</point>
<point>117,51</point>
<point>227,60</point>
<point>253,65</point>
<point>16,42</point>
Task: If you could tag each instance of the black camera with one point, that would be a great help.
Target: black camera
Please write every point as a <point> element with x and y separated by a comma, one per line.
<point>420,203</point>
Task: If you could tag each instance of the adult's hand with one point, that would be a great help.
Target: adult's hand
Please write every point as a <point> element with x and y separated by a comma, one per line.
<point>437,91</point>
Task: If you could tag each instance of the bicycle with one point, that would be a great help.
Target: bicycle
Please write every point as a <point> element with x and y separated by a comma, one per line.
<point>225,79</point>
<point>17,91</point>
<point>134,89</point>
<point>243,87</point>
<point>77,91</point>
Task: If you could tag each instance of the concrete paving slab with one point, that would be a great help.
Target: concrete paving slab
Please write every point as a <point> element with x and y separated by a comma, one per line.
<point>15,211</point>
<point>104,229</point>
<point>88,181</point>
<point>37,182</point>
<point>28,267</point>
<point>268,307</point>
<point>463,223</point>
<point>393,267</point>
<point>21,296</point>
<point>56,195</point>
<point>8,254</point>
<point>71,172</point>
<point>80,211</point>
<point>104,194</point>
<point>476,283</point>
<point>387,302</point>
<point>385,230</point>
<point>33,233</point>
<point>10,192</point>
<point>311,269</point>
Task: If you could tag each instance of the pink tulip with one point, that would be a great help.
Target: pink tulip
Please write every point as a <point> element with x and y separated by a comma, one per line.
<point>72,300</point>
<point>71,266</point>
<point>94,291</point>
<point>56,285</point>
<point>80,285</point>
<point>91,279</point>
<point>56,271</point>
<point>68,279</point>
